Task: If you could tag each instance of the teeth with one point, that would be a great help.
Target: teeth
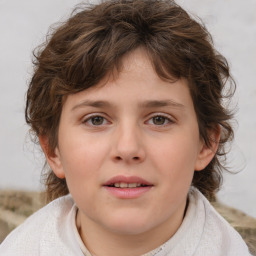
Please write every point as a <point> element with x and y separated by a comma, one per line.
<point>126,185</point>
<point>123,185</point>
<point>132,185</point>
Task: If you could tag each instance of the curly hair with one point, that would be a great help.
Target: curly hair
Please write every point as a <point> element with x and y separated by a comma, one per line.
<point>91,43</point>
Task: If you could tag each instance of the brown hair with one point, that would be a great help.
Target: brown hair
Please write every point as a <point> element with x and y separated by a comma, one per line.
<point>92,42</point>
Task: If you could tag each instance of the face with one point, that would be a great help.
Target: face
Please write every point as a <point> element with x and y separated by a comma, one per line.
<point>128,150</point>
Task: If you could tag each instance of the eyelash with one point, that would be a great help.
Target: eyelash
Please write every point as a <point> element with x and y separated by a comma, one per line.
<point>90,118</point>
<point>167,120</point>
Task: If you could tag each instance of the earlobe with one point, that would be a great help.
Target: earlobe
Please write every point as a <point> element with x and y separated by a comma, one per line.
<point>206,153</point>
<point>53,158</point>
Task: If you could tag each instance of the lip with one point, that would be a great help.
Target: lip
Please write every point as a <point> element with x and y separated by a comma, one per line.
<point>127,179</point>
<point>127,193</point>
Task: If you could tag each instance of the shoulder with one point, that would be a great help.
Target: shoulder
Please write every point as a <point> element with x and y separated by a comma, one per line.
<point>42,226</point>
<point>218,233</point>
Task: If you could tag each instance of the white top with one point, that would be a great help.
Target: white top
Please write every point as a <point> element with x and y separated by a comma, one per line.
<point>52,231</point>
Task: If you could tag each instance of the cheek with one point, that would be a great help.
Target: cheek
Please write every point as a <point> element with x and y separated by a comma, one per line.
<point>81,158</point>
<point>177,151</point>
<point>175,159</point>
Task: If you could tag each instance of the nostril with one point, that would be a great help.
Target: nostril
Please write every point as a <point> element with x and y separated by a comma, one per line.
<point>118,158</point>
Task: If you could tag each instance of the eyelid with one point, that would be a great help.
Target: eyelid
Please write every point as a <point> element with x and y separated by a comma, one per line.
<point>170,118</point>
<point>87,117</point>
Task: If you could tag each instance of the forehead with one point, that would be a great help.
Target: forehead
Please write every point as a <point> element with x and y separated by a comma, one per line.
<point>136,82</point>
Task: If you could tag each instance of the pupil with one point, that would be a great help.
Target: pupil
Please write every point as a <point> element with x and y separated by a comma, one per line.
<point>158,120</point>
<point>98,120</point>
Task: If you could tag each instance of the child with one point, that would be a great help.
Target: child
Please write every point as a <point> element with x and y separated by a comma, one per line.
<point>126,103</point>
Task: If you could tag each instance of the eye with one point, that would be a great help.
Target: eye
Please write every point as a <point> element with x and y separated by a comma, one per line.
<point>95,121</point>
<point>160,120</point>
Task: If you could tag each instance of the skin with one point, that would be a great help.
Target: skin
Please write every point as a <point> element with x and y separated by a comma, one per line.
<point>126,134</point>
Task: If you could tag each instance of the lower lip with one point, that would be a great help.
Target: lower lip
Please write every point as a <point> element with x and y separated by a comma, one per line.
<point>128,193</point>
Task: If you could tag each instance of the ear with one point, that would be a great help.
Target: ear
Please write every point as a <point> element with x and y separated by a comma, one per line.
<point>206,153</point>
<point>53,158</point>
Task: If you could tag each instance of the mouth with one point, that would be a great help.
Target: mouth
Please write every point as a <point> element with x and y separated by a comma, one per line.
<point>127,182</point>
<point>127,187</point>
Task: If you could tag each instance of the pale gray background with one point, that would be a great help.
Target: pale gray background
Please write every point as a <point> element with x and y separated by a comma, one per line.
<point>23,25</point>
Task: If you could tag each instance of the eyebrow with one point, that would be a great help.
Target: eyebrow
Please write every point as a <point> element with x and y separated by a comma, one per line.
<point>161,103</point>
<point>90,103</point>
<point>145,104</point>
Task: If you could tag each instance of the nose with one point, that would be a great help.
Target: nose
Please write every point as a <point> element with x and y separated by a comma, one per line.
<point>128,145</point>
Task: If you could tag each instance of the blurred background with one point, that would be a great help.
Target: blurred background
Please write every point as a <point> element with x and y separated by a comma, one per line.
<point>23,26</point>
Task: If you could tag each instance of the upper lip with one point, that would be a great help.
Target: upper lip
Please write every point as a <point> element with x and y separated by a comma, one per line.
<point>127,179</point>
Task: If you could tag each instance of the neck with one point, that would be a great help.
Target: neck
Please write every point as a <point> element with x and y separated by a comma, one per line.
<point>101,241</point>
